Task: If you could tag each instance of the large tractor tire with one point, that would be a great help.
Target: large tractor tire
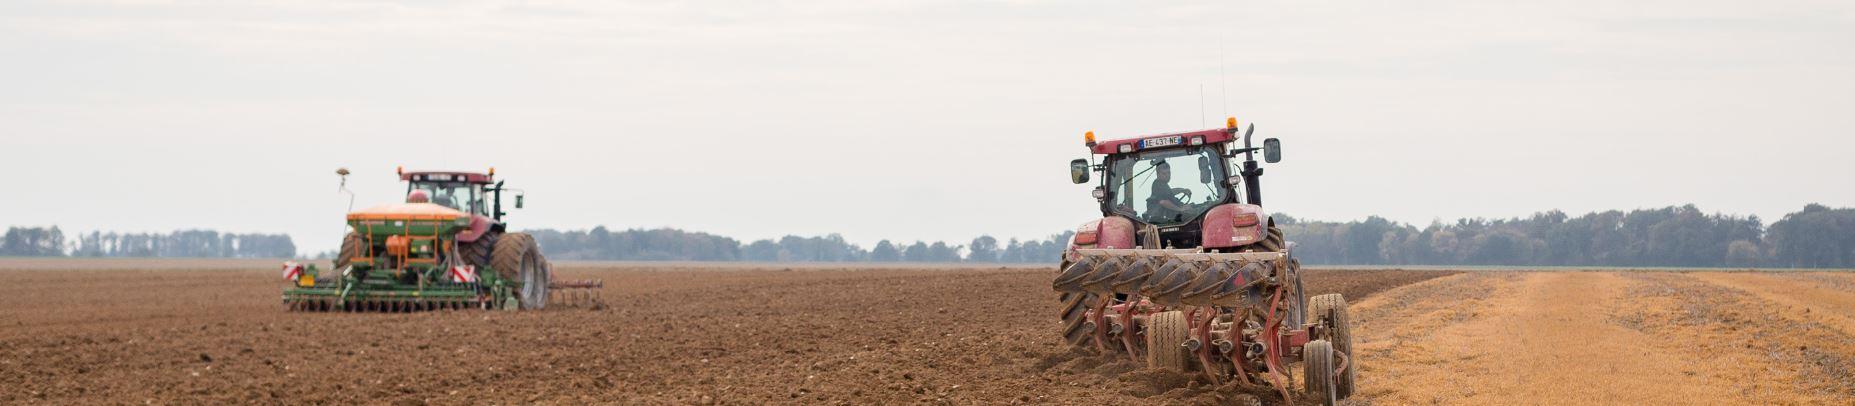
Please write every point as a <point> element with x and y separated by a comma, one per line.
<point>1076,306</point>
<point>1317,362</point>
<point>350,249</point>
<point>1272,242</point>
<point>1166,333</point>
<point>519,260</point>
<point>481,252</point>
<point>1333,308</point>
<point>1075,315</point>
<point>1298,304</point>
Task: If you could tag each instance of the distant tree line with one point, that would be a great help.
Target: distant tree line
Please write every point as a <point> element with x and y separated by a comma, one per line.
<point>663,244</point>
<point>667,244</point>
<point>51,242</point>
<point>32,242</point>
<point>1675,236</point>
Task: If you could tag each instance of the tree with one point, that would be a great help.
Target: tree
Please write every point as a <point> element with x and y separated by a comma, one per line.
<point>885,252</point>
<point>1818,237</point>
<point>984,249</point>
<point>917,253</point>
<point>33,242</point>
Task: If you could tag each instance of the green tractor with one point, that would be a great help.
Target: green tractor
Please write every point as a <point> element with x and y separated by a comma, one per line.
<point>444,248</point>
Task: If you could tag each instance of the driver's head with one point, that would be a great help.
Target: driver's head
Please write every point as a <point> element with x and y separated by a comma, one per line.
<point>1162,171</point>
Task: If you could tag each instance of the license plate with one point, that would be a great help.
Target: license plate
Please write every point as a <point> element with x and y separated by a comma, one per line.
<point>1160,142</point>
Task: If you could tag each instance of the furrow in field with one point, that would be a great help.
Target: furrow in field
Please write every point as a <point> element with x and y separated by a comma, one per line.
<point>1741,341</point>
<point>1551,338</point>
<point>1821,298</point>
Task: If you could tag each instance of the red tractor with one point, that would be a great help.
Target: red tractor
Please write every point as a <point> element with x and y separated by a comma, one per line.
<point>1186,271</point>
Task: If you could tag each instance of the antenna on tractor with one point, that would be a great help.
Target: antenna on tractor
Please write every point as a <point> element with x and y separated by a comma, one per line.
<point>1223,81</point>
<point>1202,121</point>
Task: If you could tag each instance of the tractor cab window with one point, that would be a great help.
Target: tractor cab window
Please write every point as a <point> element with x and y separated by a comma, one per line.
<point>457,195</point>
<point>1166,187</point>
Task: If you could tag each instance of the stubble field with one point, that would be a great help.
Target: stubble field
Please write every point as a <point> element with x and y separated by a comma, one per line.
<point>214,331</point>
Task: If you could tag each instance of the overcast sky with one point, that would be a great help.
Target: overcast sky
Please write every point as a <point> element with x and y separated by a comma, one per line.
<point>908,120</point>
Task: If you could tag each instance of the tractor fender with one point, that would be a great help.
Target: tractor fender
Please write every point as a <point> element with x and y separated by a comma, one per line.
<point>1234,225</point>
<point>1107,232</point>
<point>479,225</point>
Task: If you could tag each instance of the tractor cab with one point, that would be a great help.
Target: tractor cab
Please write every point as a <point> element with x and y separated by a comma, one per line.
<point>478,194</point>
<point>1167,187</point>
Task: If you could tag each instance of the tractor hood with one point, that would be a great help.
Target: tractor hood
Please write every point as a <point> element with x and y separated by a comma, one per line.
<point>409,219</point>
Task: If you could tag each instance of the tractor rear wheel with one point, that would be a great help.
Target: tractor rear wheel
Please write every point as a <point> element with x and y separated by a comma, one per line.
<point>519,260</point>
<point>481,252</point>
<point>1166,333</point>
<point>1271,242</point>
<point>350,248</point>
<point>1075,316</point>
<point>1340,333</point>
<point>1317,362</point>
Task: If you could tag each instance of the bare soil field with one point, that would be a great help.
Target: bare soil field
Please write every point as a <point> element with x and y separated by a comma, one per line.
<point>686,334</point>
<point>1610,338</point>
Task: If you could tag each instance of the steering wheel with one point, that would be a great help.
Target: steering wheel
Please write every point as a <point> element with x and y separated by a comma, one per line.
<point>1182,195</point>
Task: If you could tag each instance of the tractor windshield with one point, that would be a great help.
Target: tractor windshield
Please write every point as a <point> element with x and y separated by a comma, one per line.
<point>457,195</point>
<point>1166,187</point>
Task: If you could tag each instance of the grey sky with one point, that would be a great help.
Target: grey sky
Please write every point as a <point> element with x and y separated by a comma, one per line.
<point>908,120</point>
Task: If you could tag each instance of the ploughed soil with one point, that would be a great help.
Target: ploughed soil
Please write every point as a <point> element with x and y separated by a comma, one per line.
<point>663,334</point>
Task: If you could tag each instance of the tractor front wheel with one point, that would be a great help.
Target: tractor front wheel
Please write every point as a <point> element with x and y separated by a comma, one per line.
<point>518,259</point>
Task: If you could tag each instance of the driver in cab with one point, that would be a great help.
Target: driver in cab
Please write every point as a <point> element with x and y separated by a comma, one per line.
<point>1164,204</point>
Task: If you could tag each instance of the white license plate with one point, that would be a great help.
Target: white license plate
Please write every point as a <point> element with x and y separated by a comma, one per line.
<point>1160,142</point>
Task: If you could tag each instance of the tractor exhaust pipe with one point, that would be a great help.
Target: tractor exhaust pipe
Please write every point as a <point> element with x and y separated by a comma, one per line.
<point>1252,175</point>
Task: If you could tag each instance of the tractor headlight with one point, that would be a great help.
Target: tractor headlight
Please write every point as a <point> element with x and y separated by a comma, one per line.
<point>1099,193</point>
<point>1197,140</point>
<point>1126,148</point>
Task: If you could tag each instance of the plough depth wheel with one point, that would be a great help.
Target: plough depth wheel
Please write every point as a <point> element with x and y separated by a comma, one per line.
<point>1332,307</point>
<point>1166,333</point>
<point>1318,372</point>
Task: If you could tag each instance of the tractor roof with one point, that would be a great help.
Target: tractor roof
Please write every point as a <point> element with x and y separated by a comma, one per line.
<point>448,176</point>
<point>1163,141</point>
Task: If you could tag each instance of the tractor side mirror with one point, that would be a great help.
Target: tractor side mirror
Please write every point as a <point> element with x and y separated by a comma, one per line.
<point>1272,150</point>
<point>518,201</point>
<point>1079,171</point>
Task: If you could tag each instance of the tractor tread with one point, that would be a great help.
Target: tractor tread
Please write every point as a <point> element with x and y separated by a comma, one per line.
<point>509,252</point>
<point>1317,363</point>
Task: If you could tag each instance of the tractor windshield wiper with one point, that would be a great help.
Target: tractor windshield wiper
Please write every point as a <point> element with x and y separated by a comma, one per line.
<point>1136,175</point>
